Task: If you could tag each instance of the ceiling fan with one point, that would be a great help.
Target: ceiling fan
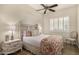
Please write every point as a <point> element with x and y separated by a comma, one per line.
<point>48,8</point>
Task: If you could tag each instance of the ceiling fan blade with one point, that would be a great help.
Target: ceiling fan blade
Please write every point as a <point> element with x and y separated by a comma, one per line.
<point>51,10</point>
<point>39,9</point>
<point>45,11</point>
<point>43,5</point>
<point>53,5</point>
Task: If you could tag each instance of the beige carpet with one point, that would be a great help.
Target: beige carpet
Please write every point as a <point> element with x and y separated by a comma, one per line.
<point>70,50</point>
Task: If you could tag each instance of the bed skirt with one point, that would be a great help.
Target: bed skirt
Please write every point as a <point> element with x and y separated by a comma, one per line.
<point>31,48</point>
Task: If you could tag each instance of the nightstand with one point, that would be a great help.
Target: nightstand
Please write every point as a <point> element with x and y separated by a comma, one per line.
<point>11,46</point>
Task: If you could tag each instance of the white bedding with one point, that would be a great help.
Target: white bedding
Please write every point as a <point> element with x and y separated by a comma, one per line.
<point>35,40</point>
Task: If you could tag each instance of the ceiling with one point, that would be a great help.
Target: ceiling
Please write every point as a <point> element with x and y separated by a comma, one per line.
<point>60,6</point>
<point>9,13</point>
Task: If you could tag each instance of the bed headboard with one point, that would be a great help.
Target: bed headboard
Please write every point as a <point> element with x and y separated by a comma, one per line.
<point>29,30</point>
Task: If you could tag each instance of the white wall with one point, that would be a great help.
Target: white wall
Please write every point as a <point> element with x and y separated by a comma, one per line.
<point>78,23</point>
<point>12,14</point>
<point>32,18</point>
<point>71,12</point>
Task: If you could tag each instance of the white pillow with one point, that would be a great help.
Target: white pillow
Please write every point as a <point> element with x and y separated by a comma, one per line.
<point>35,33</point>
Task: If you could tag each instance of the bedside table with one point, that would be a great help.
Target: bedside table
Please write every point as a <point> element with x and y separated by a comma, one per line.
<point>11,46</point>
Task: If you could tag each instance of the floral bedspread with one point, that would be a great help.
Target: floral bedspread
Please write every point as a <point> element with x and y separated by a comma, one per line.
<point>51,45</point>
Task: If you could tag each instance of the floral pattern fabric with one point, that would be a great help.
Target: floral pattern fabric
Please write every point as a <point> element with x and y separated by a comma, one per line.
<point>51,45</point>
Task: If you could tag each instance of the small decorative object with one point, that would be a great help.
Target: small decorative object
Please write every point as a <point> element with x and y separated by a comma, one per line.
<point>36,26</point>
<point>22,35</point>
<point>6,37</point>
<point>12,29</point>
<point>12,37</point>
<point>28,33</point>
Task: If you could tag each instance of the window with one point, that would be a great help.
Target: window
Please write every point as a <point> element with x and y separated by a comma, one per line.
<point>66,23</point>
<point>51,25</point>
<point>59,24</point>
<point>55,24</point>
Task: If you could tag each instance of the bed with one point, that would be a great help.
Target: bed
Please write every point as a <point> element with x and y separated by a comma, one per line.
<point>43,44</point>
<point>40,43</point>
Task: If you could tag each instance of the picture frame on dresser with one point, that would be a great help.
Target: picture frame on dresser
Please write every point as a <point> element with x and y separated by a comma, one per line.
<point>12,37</point>
<point>7,37</point>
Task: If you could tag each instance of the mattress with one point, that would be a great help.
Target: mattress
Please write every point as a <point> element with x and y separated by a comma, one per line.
<point>34,40</point>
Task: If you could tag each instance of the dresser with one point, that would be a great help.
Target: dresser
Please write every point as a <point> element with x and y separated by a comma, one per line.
<point>11,46</point>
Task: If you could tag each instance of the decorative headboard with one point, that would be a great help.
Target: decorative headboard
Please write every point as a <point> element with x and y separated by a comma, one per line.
<point>29,30</point>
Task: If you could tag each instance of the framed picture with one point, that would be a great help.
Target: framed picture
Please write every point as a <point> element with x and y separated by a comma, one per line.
<point>6,37</point>
<point>12,37</point>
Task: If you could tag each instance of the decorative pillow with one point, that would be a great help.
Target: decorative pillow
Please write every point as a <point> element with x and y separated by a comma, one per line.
<point>28,33</point>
